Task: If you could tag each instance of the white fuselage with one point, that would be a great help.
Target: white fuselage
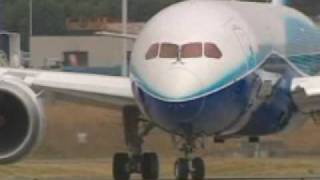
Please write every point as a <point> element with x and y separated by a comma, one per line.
<point>197,48</point>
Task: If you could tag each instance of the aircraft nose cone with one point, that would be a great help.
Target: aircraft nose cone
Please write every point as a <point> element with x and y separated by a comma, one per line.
<point>178,84</point>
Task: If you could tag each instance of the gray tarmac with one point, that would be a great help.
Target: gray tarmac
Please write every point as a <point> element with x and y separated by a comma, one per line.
<point>56,178</point>
<point>213,178</point>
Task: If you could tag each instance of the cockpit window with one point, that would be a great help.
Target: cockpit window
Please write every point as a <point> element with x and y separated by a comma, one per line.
<point>169,50</point>
<point>153,51</point>
<point>191,50</point>
<point>212,51</point>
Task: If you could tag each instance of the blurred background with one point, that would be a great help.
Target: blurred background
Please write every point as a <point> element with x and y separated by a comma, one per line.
<point>62,33</point>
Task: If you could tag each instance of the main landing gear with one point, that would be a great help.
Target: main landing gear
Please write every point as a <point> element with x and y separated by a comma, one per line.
<point>147,164</point>
<point>188,165</point>
<point>125,164</point>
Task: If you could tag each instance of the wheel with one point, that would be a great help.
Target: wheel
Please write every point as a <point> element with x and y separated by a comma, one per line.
<point>181,169</point>
<point>120,166</point>
<point>198,167</point>
<point>150,166</point>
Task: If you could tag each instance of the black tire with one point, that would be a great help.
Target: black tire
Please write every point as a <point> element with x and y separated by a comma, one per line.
<point>120,166</point>
<point>198,169</point>
<point>181,169</point>
<point>150,166</point>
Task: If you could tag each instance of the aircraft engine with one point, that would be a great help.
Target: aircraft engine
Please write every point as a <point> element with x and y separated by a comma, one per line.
<point>21,120</point>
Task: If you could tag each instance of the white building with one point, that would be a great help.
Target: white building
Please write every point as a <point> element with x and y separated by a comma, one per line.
<point>84,51</point>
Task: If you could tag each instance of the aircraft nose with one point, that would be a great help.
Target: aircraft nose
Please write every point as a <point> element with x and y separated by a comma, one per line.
<point>178,83</point>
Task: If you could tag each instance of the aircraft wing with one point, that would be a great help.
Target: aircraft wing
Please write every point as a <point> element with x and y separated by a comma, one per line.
<point>69,86</point>
<point>306,93</point>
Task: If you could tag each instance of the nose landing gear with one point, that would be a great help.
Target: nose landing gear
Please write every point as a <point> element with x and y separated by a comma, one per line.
<point>188,165</point>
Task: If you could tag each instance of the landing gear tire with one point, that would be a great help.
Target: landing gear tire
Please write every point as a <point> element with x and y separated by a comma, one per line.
<point>198,167</point>
<point>181,169</point>
<point>121,166</point>
<point>150,166</point>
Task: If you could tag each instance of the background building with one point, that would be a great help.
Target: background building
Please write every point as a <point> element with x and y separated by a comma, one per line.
<point>82,50</point>
<point>79,51</point>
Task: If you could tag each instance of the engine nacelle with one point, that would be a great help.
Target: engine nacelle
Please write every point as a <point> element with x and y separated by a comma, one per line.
<point>21,120</point>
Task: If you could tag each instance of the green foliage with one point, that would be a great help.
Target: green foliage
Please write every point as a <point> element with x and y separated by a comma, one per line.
<point>49,15</point>
<point>310,7</point>
<point>142,10</point>
<point>16,18</point>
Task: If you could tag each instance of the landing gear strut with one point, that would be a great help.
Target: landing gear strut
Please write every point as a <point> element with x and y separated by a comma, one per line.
<point>188,165</point>
<point>125,164</point>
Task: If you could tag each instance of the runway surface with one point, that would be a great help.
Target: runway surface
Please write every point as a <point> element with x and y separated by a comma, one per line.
<point>213,178</point>
<point>217,168</point>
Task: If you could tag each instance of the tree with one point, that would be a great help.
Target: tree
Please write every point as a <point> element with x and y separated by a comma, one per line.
<point>310,7</point>
<point>16,19</point>
<point>48,17</point>
<point>142,10</point>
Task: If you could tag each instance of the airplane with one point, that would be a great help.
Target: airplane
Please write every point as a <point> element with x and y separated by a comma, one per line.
<point>200,68</point>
